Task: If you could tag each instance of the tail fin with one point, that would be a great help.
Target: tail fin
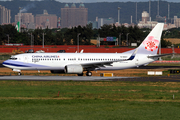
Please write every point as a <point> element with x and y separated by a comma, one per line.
<point>18,26</point>
<point>151,42</point>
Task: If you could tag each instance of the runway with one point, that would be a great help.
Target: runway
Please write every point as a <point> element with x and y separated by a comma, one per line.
<point>61,78</point>
<point>172,78</point>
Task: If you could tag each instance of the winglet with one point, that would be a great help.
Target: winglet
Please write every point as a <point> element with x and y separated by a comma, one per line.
<point>133,55</point>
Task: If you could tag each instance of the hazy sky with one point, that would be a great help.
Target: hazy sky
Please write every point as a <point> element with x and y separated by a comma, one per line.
<point>93,1</point>
<point>90,1</point>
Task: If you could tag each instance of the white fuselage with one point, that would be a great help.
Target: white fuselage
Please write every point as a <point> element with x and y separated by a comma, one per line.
<point>57,61</point>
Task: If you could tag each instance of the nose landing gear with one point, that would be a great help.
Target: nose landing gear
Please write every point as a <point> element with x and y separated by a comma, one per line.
<point>17,70</point>
<point>19,74</point>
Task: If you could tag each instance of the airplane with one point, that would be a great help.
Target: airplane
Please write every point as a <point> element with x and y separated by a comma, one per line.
<point>76,63</point>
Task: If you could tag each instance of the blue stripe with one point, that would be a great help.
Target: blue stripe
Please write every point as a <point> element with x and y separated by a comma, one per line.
<point>17,65</point>
<point>131,58</point>
<point>21,64</point>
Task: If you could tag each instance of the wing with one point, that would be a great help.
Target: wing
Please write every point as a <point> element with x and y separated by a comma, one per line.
<point>157,56</point>
<point>107,63</point>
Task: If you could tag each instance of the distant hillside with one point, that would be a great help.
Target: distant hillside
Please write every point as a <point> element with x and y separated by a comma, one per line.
<point>101,10</point>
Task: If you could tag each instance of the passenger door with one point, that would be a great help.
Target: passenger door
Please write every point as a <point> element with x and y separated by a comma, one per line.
<point>25,58</point>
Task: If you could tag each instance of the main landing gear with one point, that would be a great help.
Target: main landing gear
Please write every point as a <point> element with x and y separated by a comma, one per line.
<point>88,73</point>
<point>19,74</point>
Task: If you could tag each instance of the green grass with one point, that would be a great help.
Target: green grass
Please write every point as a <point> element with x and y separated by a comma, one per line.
<point>37,100</point>
<point>5,56</point>
<point>88,109</point>
<point>176,57</point>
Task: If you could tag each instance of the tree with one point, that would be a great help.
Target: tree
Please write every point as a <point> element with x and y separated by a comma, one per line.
<point>49,37</point>
<point>59,38</point>
<point>68,36</point>
<point>1,36</point>
<point>38,36</point>
<point>165,43</point>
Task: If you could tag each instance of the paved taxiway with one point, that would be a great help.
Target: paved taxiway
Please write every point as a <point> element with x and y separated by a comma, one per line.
<point>61,78</point>
<point>172,78</point>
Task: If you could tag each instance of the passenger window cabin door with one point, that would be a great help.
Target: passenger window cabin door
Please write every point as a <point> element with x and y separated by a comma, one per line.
<point>25,58</point>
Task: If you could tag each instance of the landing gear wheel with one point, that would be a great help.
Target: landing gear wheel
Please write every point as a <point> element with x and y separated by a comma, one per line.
<point>89,73</point>
<point>19,73</point>
<point>80,74</point>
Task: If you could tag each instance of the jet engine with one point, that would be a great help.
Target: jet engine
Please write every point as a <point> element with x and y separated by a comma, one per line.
<point>77,69</point>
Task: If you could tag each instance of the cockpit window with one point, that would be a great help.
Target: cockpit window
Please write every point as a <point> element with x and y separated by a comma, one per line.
<point>13,58</point>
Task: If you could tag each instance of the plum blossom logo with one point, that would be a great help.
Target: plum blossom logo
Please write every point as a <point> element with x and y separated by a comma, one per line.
<point>151,43</point>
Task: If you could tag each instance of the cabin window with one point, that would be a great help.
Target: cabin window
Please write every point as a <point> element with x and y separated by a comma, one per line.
<point>13,58</point>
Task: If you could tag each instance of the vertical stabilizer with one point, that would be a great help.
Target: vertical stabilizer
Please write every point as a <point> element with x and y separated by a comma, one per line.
<point>151,42</point>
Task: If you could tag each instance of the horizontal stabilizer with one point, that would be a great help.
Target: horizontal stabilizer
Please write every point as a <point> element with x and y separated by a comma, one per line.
<point>153,56</point>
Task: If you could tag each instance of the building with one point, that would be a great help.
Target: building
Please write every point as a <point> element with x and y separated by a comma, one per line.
<point>46,20</point>
<point>59,23</point>
<point>146,21</point>
<point>72,16</point>
<point>27,20</point>
<point>94,24</point>
<point>145,16</point>
<point>177,21</point>
<point>103,21</point>
<point>5,15</point>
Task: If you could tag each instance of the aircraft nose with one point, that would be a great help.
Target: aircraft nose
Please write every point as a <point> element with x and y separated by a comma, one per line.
<point>5,63</point>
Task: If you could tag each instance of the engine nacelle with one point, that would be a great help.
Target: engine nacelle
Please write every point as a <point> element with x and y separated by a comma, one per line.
<point>77,69</point>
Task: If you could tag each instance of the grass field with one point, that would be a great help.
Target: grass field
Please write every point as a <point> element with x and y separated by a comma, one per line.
<point>52,100</point>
